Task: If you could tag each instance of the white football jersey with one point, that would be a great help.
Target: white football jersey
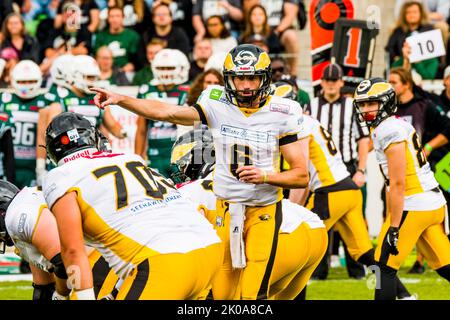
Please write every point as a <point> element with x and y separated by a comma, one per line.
<point>21,220</point>
<point>129,212</point>
<point>248,137</point>
<point>325,163</point>
<point>419,179</point>
<point>200,192</point>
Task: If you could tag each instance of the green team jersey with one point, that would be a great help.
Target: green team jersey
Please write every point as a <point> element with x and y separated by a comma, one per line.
<point>123,45</point>
<point>83,105</point>
<point>161,134</point>
<point>22,116</point>
<point>52,94</point>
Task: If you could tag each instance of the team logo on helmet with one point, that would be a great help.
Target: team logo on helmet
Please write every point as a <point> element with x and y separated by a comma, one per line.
<point>363,86</point>
<point>245,58</point>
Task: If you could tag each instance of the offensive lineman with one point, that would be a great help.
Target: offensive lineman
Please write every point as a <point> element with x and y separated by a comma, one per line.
<point>130,214</point>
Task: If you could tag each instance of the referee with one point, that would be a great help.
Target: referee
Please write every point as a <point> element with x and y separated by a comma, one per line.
<point>336,113</point>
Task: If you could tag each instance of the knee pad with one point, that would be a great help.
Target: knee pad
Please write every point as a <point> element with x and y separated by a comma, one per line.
<point>44,291</point>
<point>58,267</point>
<point>444,272</point>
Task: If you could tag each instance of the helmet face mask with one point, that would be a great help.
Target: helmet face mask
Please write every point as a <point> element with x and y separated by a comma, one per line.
<point>26,79</point>
<point>69,133</point>
<point>103,142</point>
<point>60,71</point>
<point>375,90</point>
<point>247,60</point>
<point>193,156</point>
<point>7,193</point>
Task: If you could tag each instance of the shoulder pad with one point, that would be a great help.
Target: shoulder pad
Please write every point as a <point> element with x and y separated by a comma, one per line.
<point>62,92</point>
<point>6,97</point>
<point>143,88</point>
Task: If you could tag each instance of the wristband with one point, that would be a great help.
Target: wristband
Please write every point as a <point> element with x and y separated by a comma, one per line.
<point>428,147</point>
<point>86,294</point>
<point>264,176</point>
<point>361,170</point>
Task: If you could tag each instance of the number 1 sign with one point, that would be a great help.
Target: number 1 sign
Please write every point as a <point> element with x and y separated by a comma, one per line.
<point>426,45</point>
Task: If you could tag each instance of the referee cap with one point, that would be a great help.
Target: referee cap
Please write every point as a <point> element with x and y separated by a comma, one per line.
<point>332,72</point>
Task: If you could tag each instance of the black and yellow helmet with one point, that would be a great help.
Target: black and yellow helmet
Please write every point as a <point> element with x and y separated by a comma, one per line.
<point>7,193</point>
<point>193,156</point>
<point>285,88</point>
<point>375,89</point>
<point>247,60</point>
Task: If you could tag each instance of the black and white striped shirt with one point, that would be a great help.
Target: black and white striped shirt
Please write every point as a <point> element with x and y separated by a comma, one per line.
<point>341,121</point>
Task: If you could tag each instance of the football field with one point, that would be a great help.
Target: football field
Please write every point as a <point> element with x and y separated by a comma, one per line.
<point>338,286</point>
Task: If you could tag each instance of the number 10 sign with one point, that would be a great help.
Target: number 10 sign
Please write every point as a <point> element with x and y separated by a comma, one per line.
<point>426,45</point>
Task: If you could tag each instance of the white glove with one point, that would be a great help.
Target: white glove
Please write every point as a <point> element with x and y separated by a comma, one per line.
<point>57,296</point>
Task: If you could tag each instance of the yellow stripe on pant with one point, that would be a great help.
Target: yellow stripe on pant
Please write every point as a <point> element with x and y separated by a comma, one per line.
<point>173,276</point>
<point>261,229</point>
<point>103,276</point>
<point>346,217</point>
<point>298,255</point>
<point>426,228</point>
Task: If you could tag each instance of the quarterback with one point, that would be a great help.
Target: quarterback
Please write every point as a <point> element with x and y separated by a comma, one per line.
<point>251,130</point>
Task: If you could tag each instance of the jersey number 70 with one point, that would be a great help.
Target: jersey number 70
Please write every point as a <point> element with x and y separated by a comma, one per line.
<point>153,183</point>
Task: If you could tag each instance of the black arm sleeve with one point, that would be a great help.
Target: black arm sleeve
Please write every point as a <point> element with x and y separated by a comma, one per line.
<point>6,146</point>
<point>436,118</point>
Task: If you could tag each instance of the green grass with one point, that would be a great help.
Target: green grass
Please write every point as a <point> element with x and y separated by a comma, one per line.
<point>16,290</point>
<point>338,286</point>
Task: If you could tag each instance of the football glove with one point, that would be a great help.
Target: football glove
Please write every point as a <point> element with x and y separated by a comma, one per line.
<point>392,239</point>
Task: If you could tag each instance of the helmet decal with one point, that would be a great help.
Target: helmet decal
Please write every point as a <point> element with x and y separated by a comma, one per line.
<point>263,61</point>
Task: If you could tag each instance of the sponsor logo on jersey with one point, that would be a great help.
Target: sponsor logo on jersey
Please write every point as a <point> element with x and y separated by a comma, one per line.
<point>215,94</point>
<point>283,108</point>
<point>12,107</point>
<point>87,111</point>
<point>150,204</point>
<point>22,220</point>
<point>25,116</point>
<point>245,134</point>
<point>25,153</point>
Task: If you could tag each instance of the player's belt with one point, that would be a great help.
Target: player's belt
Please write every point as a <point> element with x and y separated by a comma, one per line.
<point>321,206</point>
